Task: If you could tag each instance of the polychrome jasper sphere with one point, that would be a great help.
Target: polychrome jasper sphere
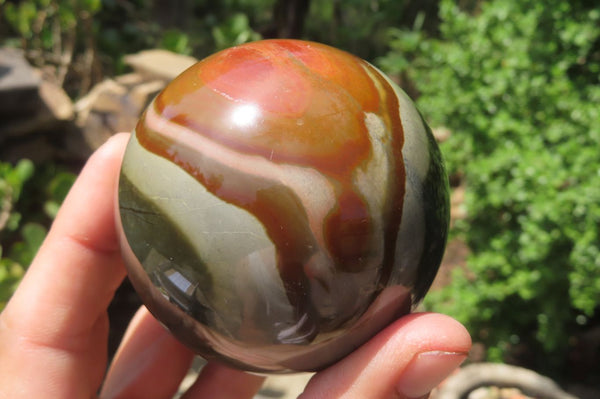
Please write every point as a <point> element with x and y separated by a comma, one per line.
<point>280,203</point>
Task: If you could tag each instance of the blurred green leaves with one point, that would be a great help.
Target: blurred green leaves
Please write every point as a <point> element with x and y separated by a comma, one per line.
<point>176,41</point>
<point>234,31</point>
<point>21,17</point>
<point>56,191</point>
<point>33,17</point>
<point>518,85</point>
<point>29,200</point>
<point>12,180</point>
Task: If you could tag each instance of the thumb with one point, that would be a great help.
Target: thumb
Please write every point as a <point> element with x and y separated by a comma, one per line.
<point>406,360</point>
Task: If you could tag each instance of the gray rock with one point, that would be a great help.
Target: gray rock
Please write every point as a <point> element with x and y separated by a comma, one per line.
<point>159,64</point>
<point>50,109</point>
<point>28,104</point>
<point>18,84</point>
<point>114,106</point>
<point>476,375</point>
<point>56,101</point>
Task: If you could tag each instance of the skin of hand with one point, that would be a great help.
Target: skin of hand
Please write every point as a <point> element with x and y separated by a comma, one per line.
<point>54,330</point>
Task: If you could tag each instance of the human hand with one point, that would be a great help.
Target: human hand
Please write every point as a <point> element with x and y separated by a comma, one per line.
<point>54,331</point>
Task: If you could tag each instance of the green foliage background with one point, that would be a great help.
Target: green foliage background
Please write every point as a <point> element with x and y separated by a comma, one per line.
<point>30,197</point>
<point>516,82</point>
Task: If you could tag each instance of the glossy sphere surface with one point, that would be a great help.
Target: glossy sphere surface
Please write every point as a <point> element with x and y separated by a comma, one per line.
<point>280,203</point>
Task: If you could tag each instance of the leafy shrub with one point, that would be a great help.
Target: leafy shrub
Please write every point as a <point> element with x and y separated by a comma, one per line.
<point>52,32</point>
<point>29,200</point>
<point>12,180</point>
<point>517,83</point>
<point>84,40</point>
<point>234,31</point>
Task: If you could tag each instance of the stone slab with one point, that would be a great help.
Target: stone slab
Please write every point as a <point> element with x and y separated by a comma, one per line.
<point>19,84</point>
<point>159,64</point>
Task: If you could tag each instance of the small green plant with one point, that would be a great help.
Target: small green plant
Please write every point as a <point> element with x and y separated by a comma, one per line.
<point>234,31</point>
<point>12,180</point>
<point>50,31</point>
<point>29,200</point>
<point>518,85</point>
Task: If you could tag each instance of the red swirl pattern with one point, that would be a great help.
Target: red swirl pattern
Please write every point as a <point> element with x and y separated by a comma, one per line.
<point>237,120</point>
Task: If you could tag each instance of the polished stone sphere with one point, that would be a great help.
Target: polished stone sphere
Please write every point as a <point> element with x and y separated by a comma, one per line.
<point>281,202</point>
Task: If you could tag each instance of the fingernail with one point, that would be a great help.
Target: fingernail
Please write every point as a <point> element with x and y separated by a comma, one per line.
<point>426,371</point>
